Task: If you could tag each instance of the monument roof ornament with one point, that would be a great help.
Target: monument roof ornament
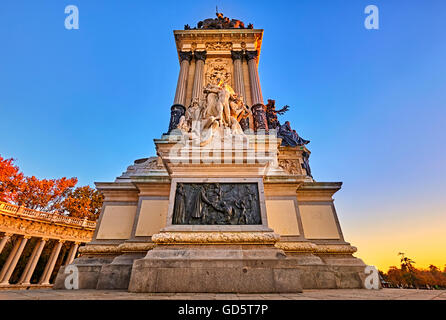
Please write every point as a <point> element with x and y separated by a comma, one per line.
<point>221,22</point>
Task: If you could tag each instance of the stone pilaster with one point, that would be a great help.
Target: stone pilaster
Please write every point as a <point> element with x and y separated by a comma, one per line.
<point>21,245</point>
<point>197,90</point>
<point>258,108</point>
<point>178,109</point>
<point>32,263</point>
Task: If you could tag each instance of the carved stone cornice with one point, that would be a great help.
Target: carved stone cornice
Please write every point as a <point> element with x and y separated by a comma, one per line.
<point>43,229</point>
<point>185,55</point>
<point>200,55</point>
<point>215,238</point>
<point>251,55</point>
<point>236,55</point>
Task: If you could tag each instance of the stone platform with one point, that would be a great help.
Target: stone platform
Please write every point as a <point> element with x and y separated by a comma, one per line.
<point>325,294</point>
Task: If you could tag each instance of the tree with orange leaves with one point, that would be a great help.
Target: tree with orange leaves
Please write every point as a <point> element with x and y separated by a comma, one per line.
<point>49,195</point>
<point>11,180</point>
<point>83,202</point>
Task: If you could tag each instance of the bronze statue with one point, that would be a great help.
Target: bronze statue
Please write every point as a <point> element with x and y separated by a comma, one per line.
<point>290,136</point>
<point>306,163</point>
<point>179,214</point>
<point>271,114</point>
<point>221,22</point>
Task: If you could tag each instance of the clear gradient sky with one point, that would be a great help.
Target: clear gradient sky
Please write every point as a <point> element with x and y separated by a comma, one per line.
<point>88,102</point>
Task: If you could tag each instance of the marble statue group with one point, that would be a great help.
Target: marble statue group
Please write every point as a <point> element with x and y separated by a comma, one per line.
<point>219,112</point>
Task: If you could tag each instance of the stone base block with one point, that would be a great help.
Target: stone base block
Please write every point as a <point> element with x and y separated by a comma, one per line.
<point>234,269</point>
<point>89,269</point>
<point>116,275</point>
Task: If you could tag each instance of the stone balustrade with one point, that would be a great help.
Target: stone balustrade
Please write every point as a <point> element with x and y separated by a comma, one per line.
<point>22,227</point>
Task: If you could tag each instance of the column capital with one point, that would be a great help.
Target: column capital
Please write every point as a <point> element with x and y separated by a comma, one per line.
<point>27,237</point>
<point>236,55</point>
<point>8,234</point>
<point>45,239</point>
<point>62,241</point>
<point>251,55</point>
<point>200,55</point>
<point>185,55</point>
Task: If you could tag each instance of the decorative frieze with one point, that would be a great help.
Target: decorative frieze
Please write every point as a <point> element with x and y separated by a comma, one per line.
<point>215,238</point>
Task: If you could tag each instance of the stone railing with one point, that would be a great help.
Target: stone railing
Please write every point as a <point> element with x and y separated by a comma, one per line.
<point>45,216</point>
<point>20,224</point>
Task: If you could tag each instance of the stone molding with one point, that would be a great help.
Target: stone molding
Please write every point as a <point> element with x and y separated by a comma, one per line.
<point>99,249</point>
<point>117,249</point>
<point>317,249</point>
<point>215,238</point>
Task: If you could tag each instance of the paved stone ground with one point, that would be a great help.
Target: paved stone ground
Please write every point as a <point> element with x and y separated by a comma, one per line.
<point>339,294</point>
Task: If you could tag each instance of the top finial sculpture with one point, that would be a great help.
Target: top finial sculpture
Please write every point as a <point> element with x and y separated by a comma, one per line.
<point>221,22</point>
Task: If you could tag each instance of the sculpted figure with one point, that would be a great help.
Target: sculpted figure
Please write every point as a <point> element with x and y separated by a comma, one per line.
<point>290,136</point>
<point>306,163</point>
<point>271,114</point>
<point>179,214</point>
<point>199,208</point>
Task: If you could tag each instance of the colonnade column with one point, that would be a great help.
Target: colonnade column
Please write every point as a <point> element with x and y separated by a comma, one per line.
<point>197,90</point>
<point>178,109</point>
<point>32,262</point>
<point>4,240</point>
<point>258,108</point>
<point>239,83</point>
<point>45,278</point>
<point>10,264</point>
<point>72,253</point>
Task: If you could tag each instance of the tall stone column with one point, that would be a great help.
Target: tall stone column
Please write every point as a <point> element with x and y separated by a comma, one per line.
<point>178,109</point>
<point>15,259</point>
<point>32,263</point>
<point>72,253</point>
<point>258,108</point>
<point>45,279</point>
<point>4,240</point>
<point>197,90</point>
<point>239,83</point>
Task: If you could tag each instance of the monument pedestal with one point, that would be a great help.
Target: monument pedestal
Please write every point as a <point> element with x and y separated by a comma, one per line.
<point>215,262</point>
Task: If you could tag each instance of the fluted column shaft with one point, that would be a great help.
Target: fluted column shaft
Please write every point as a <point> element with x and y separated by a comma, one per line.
<point>197,90</point>
<point>256,92</point>
<point>180,94</point>
<point>4,240</point>
<point>258,108</point>
<point>239,83</point>
<point>32,263</point>
<point>178,109</point>
<point>45,279</point>
<point>15,259</point>
<point>72,253</point>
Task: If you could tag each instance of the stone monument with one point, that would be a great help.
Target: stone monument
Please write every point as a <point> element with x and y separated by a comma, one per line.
<point>229,203</point>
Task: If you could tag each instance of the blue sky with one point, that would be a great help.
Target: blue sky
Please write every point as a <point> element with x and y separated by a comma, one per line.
<point>88,102</point>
